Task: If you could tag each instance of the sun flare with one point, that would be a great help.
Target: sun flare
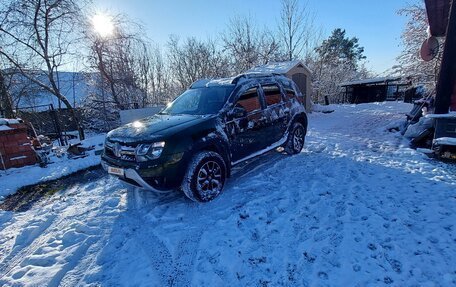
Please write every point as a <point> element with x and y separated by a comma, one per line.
<point>103,25</point>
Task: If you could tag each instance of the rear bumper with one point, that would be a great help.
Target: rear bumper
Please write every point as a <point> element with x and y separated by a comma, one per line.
<point>133,178</point>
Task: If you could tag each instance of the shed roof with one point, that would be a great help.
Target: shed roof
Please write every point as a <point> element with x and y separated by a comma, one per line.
<point>278,67</point>
<point>371,81</point>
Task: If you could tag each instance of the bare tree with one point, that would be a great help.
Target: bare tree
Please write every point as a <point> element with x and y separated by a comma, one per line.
<point>269,49</point>
<point>241,43</point>
<point>195,59</point>
<point>160,77</point>
<point>249,46</point>
<point>297,29</point>
<point>122,61</point>
<point>153,74</point>
<point>131,72</point>
<point>37,37</point>
<point>414,34</point>
<point>144,68</point>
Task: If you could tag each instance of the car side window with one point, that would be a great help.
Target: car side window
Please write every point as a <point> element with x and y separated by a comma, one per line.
<point>272,94</point>
<point>249,100</point>
<point>290,93</point>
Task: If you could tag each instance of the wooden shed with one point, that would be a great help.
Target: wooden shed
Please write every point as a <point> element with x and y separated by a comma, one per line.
<point>375,90</point>
<point>295,70</point>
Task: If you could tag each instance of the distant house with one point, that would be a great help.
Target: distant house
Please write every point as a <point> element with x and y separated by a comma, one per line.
<point>374,90</point>
<point>295,70</point>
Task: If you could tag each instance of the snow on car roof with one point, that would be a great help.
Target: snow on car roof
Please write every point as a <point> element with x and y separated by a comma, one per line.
<point>276,67</point>
<point>233,80</point>
<point>221,82</point>
<point>205,83</point>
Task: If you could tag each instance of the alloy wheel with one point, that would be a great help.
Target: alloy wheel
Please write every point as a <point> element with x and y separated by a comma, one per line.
<point>209,179</point>
<point>298,139</point>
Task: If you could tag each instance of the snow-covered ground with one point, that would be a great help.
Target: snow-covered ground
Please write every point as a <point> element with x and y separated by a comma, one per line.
<point>13,179</point>
<point>356,208</point>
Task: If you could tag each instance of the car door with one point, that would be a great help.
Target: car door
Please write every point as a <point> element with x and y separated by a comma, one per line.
<point>245,124</point>
<point>275,112</point>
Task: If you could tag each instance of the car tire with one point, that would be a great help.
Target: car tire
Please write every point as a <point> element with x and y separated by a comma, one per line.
<point>296,139</point>
<point>205,177</point>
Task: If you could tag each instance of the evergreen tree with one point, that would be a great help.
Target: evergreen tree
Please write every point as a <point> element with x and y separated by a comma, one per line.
<point>339,59</point>
<point>339,49</point>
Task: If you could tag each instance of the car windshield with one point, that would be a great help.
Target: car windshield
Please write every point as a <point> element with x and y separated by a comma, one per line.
<point>200,101</point>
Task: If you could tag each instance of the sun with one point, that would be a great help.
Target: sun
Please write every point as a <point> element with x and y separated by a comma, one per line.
<point>103,25</point>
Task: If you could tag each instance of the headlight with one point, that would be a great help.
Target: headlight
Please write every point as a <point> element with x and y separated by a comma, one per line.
<point>155,150</point>
<point>146,152</point>
<point>142,149</point>
<point>108,144</point>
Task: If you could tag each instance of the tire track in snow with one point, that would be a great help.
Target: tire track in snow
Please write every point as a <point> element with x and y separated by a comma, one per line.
<point>47,238</point>
<point>152,247</point>
<point>183,261</point>
<point>26,248</point>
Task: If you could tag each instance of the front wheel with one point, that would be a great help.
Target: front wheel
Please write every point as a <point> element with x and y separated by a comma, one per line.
<point>296,138</point>
<point>205,177</point>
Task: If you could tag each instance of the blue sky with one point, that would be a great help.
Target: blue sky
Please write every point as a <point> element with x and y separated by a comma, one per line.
<point>375,23</point>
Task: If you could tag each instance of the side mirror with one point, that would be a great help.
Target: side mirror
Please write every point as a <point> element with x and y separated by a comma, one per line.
<point>237,112</point>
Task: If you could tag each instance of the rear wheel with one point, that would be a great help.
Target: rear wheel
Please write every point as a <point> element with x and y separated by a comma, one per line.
<point>296,138</point>
<point>205,177</point>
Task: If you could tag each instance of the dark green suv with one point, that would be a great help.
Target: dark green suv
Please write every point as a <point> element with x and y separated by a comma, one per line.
<point>193,143</point>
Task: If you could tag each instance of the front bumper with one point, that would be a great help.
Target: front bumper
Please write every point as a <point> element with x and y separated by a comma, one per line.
<point>161,175</point>
<point>132,177</point>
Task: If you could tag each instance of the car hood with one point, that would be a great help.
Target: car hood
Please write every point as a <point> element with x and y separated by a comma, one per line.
<point>154,127</point>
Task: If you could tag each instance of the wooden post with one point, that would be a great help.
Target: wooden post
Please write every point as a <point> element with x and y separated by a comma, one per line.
<point>447,75</point>
<point>326,100</point>
<point>57,125</point>
<point>5,100</point>
<point>3,163</point>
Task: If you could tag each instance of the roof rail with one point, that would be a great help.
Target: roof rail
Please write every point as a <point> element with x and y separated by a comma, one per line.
<point>252,75</point>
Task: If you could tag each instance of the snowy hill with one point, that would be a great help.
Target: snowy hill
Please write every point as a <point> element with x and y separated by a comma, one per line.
<point>74,86</point>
